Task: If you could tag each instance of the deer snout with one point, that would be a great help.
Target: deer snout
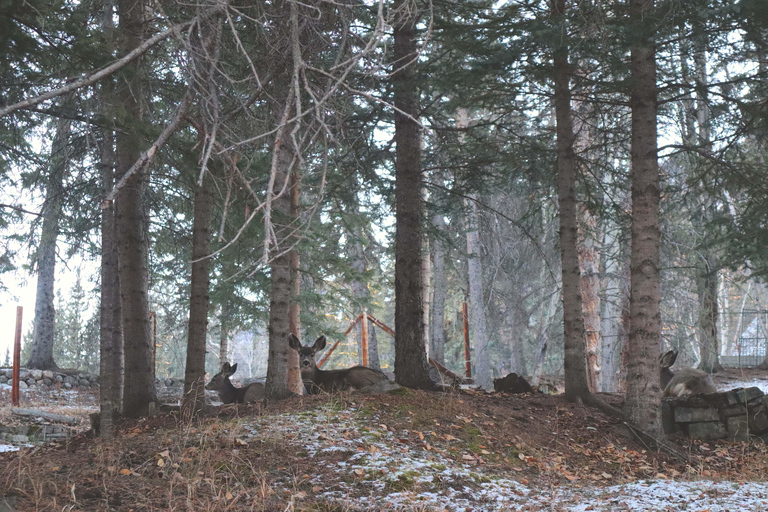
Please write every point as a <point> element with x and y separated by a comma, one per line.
<point>306,363</point>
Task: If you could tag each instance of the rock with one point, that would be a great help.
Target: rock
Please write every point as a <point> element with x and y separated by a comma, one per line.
<point>707,430</point>
<point>59,378</point>
<point>84,382</point>
<point>738,428</point>
<point>743,396</point>
<point>512,383</point>
<point>3,379</point>
<point>47,382</point>
<point>758,419</point>
<point>48,374</point>
<point>23,385</point>
<point>36,374</point>
<point>68,385</point>
<point>23,374</point>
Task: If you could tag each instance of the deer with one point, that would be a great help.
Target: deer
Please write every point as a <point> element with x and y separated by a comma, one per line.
<point>228,393</point>
<point>688,381</point>
<point>317,380</point>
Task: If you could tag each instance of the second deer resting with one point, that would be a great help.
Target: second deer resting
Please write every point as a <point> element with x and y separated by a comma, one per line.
<point>317,380</point>
<point>688,381</point>
<point>227,391</point>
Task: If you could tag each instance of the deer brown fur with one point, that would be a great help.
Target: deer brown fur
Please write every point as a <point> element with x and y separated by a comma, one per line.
<point>688,381</point>
<point>228,393</point>
<point>317,380</point>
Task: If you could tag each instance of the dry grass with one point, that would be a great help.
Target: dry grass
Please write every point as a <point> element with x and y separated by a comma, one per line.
<point>334,453</point>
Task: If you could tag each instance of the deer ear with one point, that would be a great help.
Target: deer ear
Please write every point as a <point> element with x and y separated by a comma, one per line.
<point>233,369</point>
<point>224,368</point>
<point>667,359</point>
<point>320,343</point>
<point>294,342</point>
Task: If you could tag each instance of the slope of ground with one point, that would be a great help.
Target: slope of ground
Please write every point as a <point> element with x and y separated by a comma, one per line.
<point>410,450</point>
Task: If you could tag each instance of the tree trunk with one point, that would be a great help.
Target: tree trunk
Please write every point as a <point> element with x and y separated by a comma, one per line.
<point>45,316</point>
<point>576,385</point>
<point>410,354</point>
<point>643,388</point>
<point>707,284</point>
<point>439,292</point>
<point>612,336</point>
<point>224,331</point>
<point>110,354</point>
<point>131,224</point>
<point>589,265</point>
<point>199,301</point>
<point>295,383</point>
<point>281,295</point>
<point>477,306</point>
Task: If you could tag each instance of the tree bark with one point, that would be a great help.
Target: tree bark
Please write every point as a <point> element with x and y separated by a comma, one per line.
<point>110,351</point>
<point>281,294</point>
<point>589,265</point>
<point>199,301</point>
<point>439,293</point>
<point>41,356</point>
<point>410,354</point>
<point>643,388</point>
<point>477,306</point>
<point>576,386</point>
<point>295,383</point>
<point>131,224</point>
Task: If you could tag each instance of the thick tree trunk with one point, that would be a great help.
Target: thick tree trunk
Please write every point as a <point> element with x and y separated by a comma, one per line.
<point>439,293</point>
<point>643,388</point>
<point>410,354</point>
<point>199,301</point>
<point>281,294</point>
<point>295,383</point>
<point>131,224</point>
<point>109,315</point>
<point>589,265</point>
<point>477,306</point>
<point>45,316</point>
<point>576,385</point>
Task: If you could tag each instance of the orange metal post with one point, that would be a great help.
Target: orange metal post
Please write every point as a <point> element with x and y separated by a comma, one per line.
<point>364,329</point>
<point>328,354</point>
<point>467,359</point>
<point>16,358</point>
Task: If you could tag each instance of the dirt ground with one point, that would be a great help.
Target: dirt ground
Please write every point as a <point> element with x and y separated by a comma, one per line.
<point>409,450</point>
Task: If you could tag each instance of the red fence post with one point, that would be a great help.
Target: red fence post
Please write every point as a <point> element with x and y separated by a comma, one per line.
<point>467,358</point>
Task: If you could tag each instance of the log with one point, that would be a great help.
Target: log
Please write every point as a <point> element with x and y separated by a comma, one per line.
<point>57,418</point>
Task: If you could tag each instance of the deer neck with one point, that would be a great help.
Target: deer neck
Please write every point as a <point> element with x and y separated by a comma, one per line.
<point>228,393</point>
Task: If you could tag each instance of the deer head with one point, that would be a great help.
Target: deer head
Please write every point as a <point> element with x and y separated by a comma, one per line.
<point>307,354</point>
<point>230,394</point>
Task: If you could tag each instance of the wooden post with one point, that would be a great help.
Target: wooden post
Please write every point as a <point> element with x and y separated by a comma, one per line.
<point>364,334</point>
<point>467,359</point>
<point>16,358</point>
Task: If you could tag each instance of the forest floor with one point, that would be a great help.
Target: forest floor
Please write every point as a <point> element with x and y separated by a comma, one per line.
<point>408,450</point>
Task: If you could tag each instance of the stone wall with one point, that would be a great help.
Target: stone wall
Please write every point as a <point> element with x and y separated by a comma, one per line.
<point>41,379</point>
<point>735,415</point>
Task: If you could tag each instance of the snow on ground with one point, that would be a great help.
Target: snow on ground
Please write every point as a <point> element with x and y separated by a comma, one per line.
<point>8,448</point>
<point>377,463</point>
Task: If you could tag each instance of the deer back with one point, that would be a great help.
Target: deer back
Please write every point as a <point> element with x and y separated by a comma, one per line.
<point>316,380</point>
<point>690,381</point>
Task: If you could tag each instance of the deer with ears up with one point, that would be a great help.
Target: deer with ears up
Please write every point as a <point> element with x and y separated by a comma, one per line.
<point>688,381</point>
<point>317,380</point>
<point>227,391</point>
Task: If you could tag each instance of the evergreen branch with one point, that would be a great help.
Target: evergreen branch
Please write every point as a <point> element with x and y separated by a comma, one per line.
<point>95,77</point>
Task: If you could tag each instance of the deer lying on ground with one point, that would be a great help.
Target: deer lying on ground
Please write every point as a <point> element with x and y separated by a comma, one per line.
<point>317,380</point>
<point>688,381</point>
<point>228,393</point>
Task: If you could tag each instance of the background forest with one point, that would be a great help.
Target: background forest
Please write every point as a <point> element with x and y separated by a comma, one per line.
<point>258,139</point>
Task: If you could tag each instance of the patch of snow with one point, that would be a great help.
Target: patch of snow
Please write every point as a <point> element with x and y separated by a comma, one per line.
<point>416,476</point>
<point>8,448</point>
<point>671,495</point>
